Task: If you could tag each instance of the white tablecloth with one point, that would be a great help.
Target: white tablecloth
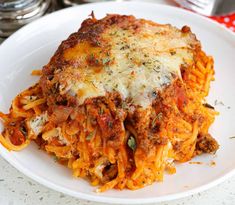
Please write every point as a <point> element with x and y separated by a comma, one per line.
<point>17,189</point>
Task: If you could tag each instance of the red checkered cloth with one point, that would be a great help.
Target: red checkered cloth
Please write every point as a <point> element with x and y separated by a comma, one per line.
<point>227,20</point>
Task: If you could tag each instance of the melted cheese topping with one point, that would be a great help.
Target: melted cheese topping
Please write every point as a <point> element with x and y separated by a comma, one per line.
<point>137,64</point>
<point>36,124</point>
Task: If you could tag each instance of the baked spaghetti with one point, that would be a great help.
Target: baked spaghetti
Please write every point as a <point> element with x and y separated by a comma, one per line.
<point>118,103</point>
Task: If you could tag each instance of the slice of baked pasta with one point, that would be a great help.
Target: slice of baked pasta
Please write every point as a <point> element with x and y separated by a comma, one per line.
<point>119,102</point>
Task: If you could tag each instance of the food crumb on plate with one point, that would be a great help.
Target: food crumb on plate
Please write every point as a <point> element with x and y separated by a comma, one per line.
<point>195,163</point>
<point>212,163</point>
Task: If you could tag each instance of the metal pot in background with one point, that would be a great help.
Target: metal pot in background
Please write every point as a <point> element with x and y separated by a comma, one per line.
<point>67,3</point>
<point>16,13</point>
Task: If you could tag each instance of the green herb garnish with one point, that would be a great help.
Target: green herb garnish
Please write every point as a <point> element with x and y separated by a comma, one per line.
<point>98,43</point>
<point>106,60</point>
<point>124,105</point>
<point>158,117</point>
<point>89,136</point>
<point>101,111</point>
<point>218,103</point>
<point>55,158</point>
<point>92,56</point>
<point>110,124</point>
<point>132,143</point>
<point>157,71</point>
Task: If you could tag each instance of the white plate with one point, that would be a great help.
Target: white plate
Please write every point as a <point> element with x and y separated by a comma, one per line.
<point>31,48</point>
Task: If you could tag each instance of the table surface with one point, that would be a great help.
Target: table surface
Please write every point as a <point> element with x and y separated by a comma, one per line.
<point>18,189</point>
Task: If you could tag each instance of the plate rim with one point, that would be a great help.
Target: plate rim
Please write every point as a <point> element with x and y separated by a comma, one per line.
<point>98,198</point>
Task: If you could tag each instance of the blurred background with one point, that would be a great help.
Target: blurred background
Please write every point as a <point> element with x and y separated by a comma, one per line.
<point>16,13</point>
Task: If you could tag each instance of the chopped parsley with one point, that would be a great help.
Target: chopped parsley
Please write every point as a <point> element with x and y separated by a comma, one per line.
<point>125,47</point>
<point>101,111</point>
<point>154,94</point>
<point>106,60</point>
<point>98,43</point>
<point>92,56</point>
<point>158,117</point>
<point>132,143</point>
<point>218,103</point>
<point>55,158</point>
<point>124,105</point>
<point>110,124</point>
<point>89,136</point>
<point>114,33</point>
<point>93,84</point>
<point>156,70</point>
<point>23,131</point>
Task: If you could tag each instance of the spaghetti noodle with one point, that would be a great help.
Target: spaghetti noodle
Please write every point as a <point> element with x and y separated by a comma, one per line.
<point>111,139</point>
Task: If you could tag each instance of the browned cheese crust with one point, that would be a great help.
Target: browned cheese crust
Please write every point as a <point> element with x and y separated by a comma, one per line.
<point>90,48</point>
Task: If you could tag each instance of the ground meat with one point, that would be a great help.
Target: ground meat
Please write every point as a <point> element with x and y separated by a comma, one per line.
<point>206,143</point>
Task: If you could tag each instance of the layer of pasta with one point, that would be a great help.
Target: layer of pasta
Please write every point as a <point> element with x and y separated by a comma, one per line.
<point>121,100</point>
